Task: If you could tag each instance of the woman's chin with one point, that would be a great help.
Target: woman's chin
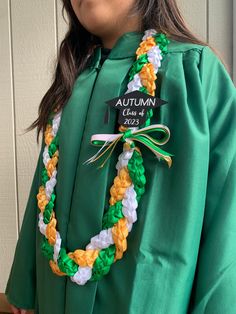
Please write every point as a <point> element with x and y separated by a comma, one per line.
<point>98,28</point>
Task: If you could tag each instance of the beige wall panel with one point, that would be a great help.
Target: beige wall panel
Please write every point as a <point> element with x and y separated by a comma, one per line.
<point>62,26</point>
<point>8,199</point>
<point>34,48</point>
<point>221,29</point>
<point>195,15</point>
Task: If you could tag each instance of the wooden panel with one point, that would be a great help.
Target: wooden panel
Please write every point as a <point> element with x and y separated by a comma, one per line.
<point>221,29</point>
<point>34,49</point>
<point>8,199</point>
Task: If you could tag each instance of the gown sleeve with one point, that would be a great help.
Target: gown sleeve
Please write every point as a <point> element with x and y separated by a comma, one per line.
<point>20,288</point>
<point>215,277</point>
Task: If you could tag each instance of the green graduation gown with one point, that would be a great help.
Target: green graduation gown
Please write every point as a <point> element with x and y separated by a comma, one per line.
<point>181,255</point>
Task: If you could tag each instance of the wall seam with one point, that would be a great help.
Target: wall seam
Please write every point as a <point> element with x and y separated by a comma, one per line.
<point>207,21</point>
<point>56,25</point>
<point>13,115</point>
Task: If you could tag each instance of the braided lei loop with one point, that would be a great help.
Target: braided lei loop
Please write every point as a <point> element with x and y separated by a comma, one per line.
<point>128,186</point>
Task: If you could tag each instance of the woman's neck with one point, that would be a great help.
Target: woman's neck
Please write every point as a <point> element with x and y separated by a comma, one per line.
<point>109,39</point>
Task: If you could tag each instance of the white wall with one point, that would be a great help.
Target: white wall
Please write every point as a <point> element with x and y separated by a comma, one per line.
<point>30,31</point>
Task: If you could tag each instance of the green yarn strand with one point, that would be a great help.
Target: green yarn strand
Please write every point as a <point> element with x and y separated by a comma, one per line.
<point>53,146</point>
<point>48,209</point>
<point>137,66</point>
<point>47,249</point>
<point>45,176</point>
<point>162,41</point>
<point>113,215</point>
<point>103,263</point>
<point>137,173</point>
<point>66,264</point>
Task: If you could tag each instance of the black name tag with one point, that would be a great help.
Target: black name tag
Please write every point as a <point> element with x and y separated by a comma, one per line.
<point>133,107</point>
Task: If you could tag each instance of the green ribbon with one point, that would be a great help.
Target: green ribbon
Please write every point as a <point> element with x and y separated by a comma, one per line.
<point>141,135</point>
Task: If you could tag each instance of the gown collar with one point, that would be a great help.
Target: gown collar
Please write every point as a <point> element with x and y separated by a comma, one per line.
<point>125,47</point>
<point>127,44</point>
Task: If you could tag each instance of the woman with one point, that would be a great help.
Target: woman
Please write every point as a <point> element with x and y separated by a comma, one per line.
<point>181,251</point>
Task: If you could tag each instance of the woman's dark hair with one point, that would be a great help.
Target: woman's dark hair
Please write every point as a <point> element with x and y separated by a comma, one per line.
<point>78,45</point>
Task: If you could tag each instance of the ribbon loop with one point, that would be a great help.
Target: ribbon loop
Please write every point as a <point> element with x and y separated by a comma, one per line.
<point>140,135</point>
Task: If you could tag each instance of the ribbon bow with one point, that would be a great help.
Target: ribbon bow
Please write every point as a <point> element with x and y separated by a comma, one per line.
<point>129,135</point>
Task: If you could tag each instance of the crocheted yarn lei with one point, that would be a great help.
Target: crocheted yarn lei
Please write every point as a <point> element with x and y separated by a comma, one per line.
<point>128,187</point>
